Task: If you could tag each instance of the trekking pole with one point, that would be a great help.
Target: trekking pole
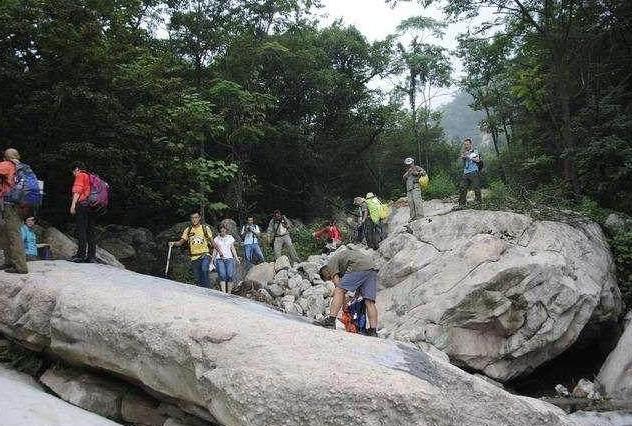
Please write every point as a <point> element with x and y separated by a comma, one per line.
<point>168,260</point>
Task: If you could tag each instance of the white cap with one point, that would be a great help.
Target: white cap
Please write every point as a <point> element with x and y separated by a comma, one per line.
<point>408,161</point>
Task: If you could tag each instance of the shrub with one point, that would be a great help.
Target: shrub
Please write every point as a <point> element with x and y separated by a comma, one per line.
<point>621,245</point>
<point>441,186</point>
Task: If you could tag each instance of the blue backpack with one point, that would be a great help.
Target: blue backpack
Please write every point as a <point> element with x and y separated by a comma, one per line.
<point>25,190</point>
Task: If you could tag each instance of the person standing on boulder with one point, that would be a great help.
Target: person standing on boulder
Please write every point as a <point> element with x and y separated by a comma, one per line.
<point>279,231</point>
<point>413,190</point>
<point>11,221</point>
<point>198,236</point>
<point>85,217</point>
<point>471,173</point>
<point>351,270</point>
<point>225,257</point>
<point>252,250</point>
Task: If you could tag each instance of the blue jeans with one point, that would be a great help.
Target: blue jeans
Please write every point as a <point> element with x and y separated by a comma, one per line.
<point>253,249</point>
<point>200,270</point>
<point>225,269</point>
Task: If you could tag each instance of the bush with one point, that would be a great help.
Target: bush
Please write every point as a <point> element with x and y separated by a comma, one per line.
<point>590,208</point>
<point>621,245</point>
<point>441,186</point>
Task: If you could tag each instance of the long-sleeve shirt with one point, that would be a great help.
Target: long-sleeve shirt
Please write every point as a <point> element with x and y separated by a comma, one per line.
<point>29,238</point>
<point>7,175</point>
<point>278,228</point>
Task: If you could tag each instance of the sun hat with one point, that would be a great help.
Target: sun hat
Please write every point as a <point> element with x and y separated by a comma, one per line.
<point>408,161</point>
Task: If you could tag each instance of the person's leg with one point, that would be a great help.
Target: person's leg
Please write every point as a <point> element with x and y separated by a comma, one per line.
<point>417,201</point>
<point>248,253</point>
<point>337,301</point>
<point>195,267</point>
<point>476,183</point>
<point>290,249</point>
<point>368,289</point>
<point>221,271</point>
<point>371,312</point>
<point>278,247</point>
<point>205,262</point>
<point>411,205</point>
<point>465,184</point>
<point>91,242</point>
<point>81,217</point>
<point>230,275</point>
<point>258,253</point>
<point>15,247</point>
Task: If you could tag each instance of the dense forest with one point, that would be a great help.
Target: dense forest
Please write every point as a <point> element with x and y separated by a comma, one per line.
<point>244,106</point>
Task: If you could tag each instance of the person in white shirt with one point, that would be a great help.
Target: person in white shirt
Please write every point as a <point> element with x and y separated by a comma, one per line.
<point>252,250</point>
<point>225,257</point>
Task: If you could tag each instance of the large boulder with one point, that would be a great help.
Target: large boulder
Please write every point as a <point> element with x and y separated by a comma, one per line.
<point>615,376</point>
<point>499,292</point>
<point>23,402</point>
<point>64,247</point>
<point>241,362</point>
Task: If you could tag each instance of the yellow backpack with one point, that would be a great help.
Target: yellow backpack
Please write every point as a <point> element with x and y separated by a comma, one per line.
<point>424,182</point>
<point>377,210</point>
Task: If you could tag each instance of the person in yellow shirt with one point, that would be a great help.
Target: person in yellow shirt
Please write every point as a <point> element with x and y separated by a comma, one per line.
<point>200,241</point>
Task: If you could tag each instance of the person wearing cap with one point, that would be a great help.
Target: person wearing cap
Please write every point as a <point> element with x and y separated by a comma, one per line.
<point>413,190</point>
<point>11,221</point>
<point>279,232</point>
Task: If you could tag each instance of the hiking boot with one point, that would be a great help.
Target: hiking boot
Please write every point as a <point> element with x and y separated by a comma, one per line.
<point>328,322</point>
<point>77,259</point>
<point>6,266</point>
<point>15,271</point>
<point>90,260</point>
<point>371,332</point>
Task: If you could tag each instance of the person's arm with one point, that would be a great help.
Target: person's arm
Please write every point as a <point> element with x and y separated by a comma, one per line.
<point>183,239</point>
<point>243,230</point>
<point>73,204</point>
<point>256,230</point>
<point>287,223</point>
<point>78,187</point>
<point>271,228</point>
<point>232,249</point>
<point>477,159</point>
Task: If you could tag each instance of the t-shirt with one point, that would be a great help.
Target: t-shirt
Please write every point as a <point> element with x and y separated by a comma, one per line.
<point>276,228</point>
<point>412,178</point>
<point>470,166</point>
<point>251,236</point>
<point>81,186</point>
<point>224,245</point>
<point>198,244</point>
<point>29,239</point>
<point>7,176</point>
<point>350,261</point>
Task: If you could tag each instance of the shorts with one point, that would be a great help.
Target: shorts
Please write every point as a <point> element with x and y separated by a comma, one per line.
<point>366,281</point>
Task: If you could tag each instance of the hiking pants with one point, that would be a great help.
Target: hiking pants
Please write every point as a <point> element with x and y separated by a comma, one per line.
<point>415,203</point>
<point>284,241</point>
<point>85,232</point>
<point>470,179</point>
<point>200,270</point>
<point>253,253</point>
<point>14,252</point>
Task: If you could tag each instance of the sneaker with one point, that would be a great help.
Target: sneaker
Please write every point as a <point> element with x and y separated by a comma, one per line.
<point>328,322</point>
<point>77,259</point>
<point>15,271</point>
<point>90,260</point>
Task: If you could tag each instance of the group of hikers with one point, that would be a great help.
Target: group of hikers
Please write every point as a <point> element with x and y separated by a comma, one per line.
<point>350,270</point>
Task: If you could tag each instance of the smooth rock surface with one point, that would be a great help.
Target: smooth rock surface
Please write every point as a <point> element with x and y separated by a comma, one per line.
<point>24,403</point>
<point>63,247</point>
<point>243,363</point>
<point>499,292</point>
<point>615,376</point>
<point>262,273</point>
<point>610,418</point>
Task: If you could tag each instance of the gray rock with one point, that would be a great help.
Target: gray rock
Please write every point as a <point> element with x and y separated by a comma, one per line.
<point>96,394</point>
<point>611,418</point>
<point>24,403</point>
<point>262,273</point>
<point>275,290</point>
<point>282,263</point>
<point>63,247</point>
<point>281,278</point>
<point>184,342</point>
<point>615,376</point>
<point>119,249</point>
<point>585,389</point>
<point>562,391</point>
<point>616,223</point>
<point>498,292</point>
<point>142,409</point>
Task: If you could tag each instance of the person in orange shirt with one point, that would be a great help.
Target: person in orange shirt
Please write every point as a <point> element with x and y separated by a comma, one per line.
<point>11,220</point>
<point>85,219</point>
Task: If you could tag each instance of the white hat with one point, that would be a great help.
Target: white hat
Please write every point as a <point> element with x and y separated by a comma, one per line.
<point>408,161</point>
<point>370,195</point>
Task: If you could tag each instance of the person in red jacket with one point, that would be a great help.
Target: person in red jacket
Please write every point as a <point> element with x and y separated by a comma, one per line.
<point>332,234</point>
<point>85,219</point>
<point>11,221</point>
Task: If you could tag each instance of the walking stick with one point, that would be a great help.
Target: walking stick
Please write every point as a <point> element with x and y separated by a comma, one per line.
<point>168,260</point>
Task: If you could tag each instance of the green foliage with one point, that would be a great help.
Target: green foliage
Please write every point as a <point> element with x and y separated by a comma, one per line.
<point>621,245</point>
<point>442,185</point>
<point>304,241</point>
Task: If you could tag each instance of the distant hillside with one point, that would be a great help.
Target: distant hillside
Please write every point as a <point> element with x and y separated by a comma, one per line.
<point>459,120</point>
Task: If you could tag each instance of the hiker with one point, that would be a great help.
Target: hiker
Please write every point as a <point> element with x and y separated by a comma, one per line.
<point>279,231</point>
<point>351,270</point>
<point>225,257</point>
<point>85,217</point>
<point>362,213</point>
<point>471,175</point>
<point>15,256</point>
<point>331,234</point>
<point>413,189</point>
<point>252,250</point>
<point>198,236</point>
<point>29,239</point>
<point>373,227</point>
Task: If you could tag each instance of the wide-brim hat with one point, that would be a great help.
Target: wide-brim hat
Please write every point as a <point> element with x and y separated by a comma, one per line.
<point>370,195</point>
<point>408,161</point>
